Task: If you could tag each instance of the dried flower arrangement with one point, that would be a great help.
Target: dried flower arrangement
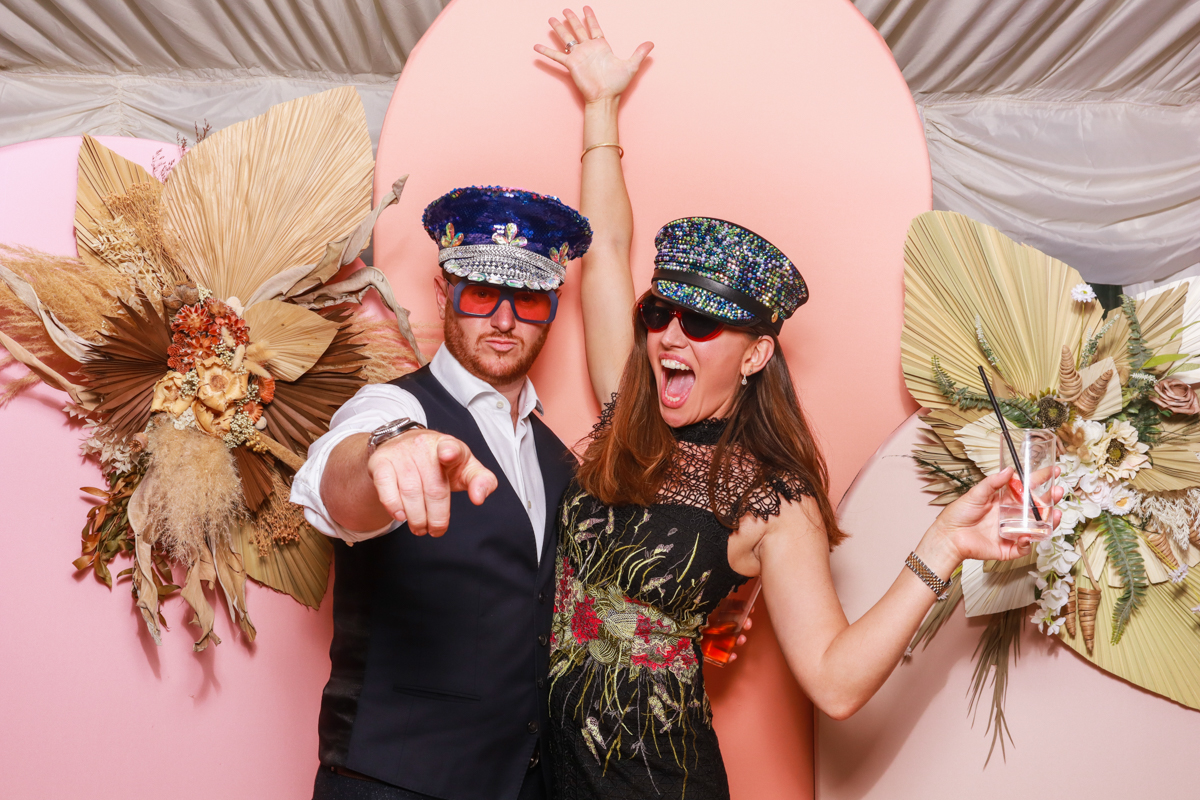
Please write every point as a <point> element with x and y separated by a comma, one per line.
<point>200,338</point>
<point>1113,580</point>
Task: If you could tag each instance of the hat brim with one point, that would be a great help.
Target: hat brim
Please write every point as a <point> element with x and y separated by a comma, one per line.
<point>703,302</point>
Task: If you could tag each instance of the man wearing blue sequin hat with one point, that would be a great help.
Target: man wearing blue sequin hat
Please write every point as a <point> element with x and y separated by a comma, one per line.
<point>440,647</point>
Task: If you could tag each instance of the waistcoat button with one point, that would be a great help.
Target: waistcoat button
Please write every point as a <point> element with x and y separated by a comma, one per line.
<point>533,727</point>
<point>542,639</point>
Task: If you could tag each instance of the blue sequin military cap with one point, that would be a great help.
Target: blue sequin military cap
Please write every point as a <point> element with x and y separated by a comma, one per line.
<point>726,272</point>
<point>508,237</point>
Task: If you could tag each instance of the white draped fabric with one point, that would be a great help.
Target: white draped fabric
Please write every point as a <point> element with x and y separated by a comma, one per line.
<point>155,68</point>
<point>1071,126</point>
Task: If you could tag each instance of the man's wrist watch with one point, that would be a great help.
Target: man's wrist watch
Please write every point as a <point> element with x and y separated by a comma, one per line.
<point>390,431</point>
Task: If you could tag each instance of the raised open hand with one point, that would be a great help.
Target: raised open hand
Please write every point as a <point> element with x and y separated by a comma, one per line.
<point>598,73</point>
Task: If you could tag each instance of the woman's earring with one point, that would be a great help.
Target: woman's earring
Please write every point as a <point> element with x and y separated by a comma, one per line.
<point>743,379</point>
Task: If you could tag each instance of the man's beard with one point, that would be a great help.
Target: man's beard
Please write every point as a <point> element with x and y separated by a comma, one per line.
<point>467,352</point>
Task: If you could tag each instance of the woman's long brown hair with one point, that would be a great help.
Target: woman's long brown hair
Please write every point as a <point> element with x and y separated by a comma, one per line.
<point>625,462</point>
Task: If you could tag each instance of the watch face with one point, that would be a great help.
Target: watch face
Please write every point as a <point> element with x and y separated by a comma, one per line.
<point>390,431</point>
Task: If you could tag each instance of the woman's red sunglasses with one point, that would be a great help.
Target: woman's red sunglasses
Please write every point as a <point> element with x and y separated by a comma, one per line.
<point>657,314</point>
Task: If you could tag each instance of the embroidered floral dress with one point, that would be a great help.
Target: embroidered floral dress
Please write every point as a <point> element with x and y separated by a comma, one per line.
<point>630,718</point>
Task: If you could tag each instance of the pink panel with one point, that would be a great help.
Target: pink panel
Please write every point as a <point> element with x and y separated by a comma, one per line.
<point>90,707</point>
<point>788,117</point>
<point>915,737</point>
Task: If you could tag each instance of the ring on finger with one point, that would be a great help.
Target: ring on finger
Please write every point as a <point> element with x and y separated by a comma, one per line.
<point>571,46</point>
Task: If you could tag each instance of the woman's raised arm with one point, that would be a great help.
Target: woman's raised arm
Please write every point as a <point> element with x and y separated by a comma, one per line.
<point>606,287</point>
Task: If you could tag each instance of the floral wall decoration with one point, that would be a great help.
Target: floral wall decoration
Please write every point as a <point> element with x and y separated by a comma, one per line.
<point>204,340</point>
<point>1115,581</point>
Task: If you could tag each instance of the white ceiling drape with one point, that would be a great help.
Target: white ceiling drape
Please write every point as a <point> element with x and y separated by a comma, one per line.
<point>1071,126</point>
<point>155,68</point>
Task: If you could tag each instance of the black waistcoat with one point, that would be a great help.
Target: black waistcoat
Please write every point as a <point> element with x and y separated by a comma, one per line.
<point>439,653</point>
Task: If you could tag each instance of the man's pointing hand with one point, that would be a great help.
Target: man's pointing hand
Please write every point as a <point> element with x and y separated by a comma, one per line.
<point>415,473</point>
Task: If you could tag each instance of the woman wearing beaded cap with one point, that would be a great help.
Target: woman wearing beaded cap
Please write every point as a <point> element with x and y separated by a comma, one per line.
<point>701,474</point>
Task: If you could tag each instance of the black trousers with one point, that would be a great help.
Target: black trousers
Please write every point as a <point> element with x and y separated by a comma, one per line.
<point>331,786</point>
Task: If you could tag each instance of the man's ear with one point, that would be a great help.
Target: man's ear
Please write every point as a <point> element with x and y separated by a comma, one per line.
<point>441,292</point>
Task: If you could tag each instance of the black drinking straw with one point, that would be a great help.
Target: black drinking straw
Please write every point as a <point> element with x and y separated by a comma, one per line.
<point>1012,450</point>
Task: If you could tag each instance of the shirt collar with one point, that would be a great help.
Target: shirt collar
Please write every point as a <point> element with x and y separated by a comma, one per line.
<point>465,387</point>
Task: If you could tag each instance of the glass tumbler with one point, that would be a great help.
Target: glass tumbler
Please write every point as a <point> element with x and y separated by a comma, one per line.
<point>727,622</point>
<point>1031,485</point>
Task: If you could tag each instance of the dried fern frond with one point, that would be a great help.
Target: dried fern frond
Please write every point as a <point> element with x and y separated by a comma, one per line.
<point>234,227</point>
<point>1000,639</point>
<point>938,615</point>
<point>1121,542</point>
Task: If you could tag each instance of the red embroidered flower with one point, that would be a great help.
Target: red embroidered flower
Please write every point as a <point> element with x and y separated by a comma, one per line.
<point>564,585</point>
<point>585,625</point>
<point>647,626</point>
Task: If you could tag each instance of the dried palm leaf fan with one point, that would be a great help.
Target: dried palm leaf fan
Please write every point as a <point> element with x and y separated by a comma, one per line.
<point>223,351</point>
<point>964,281</point>
<point>972,294</point>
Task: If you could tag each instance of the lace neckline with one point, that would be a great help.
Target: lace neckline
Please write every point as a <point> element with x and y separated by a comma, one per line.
<point>706,431</point>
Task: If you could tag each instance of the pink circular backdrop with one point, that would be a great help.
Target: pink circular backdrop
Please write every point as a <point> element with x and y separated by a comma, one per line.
<point>788,117</point>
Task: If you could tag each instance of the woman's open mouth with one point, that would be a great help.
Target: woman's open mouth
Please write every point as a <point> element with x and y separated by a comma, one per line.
<point>677,382</point>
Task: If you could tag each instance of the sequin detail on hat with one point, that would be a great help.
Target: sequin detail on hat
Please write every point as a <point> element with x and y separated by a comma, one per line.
<point>733,256</point>
<point>506,236</point>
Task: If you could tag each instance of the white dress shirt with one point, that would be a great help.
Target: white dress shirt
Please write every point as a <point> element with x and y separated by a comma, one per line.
<point>378,404</point>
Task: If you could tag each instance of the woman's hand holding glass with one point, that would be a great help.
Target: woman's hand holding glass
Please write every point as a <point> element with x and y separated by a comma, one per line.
<point>970,526</point>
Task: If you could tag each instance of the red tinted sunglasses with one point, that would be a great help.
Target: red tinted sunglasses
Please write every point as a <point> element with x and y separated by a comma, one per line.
<point>656,315</point>
<point>483,299</point>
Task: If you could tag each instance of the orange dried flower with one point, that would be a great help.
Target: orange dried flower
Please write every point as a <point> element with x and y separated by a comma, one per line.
<point>266,389</point>
<point>190,320</point>
<point>204,346</point>
<point>252,410</point>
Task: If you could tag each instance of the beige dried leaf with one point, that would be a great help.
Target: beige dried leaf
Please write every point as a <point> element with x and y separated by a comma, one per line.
<point>957,269</point>
<point>234,227</point>
<point>293,336</point>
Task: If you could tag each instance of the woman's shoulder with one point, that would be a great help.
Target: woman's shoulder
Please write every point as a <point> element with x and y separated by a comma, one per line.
<point>767,496</point>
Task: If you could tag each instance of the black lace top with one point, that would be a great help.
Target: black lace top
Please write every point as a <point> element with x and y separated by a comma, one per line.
<point>635,585</point>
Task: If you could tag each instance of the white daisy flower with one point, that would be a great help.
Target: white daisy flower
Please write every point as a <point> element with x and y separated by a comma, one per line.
<point>1083,293</point>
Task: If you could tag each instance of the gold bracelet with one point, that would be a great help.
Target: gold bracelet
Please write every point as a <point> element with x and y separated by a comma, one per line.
<point>928,577</point>
<point>620,150</point>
